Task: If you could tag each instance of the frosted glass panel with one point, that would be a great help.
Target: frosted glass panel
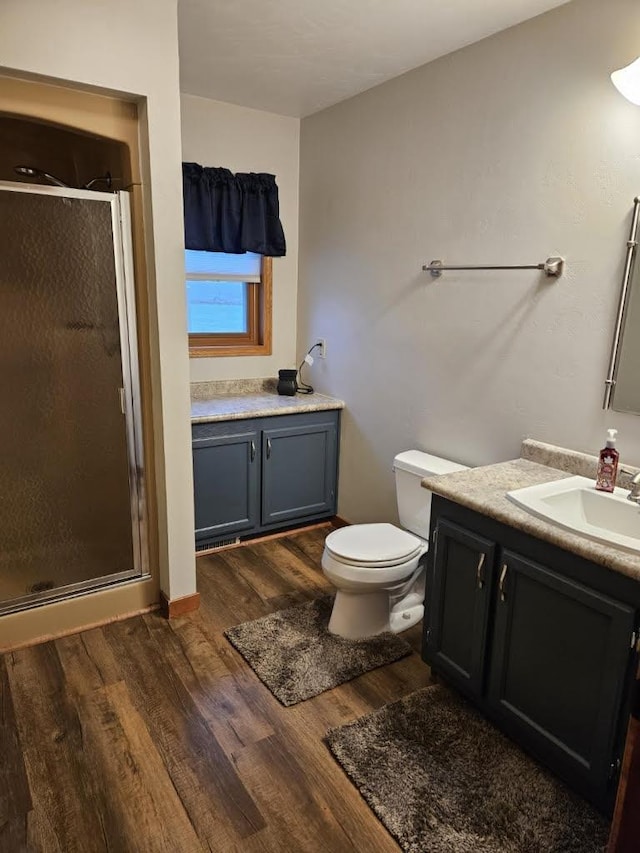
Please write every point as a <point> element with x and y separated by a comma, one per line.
<point>64,491</point>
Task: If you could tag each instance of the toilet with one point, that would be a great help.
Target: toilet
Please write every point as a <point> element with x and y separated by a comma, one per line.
<point>378,570</point>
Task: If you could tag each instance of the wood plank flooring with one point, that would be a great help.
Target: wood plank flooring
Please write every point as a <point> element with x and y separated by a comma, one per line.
<point>148,735</point>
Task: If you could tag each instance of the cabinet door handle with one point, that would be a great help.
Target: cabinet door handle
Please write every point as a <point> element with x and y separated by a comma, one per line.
<point>480,571</point>
<point>268,448</point>
<point>502,584</point>
<point>253,450</point>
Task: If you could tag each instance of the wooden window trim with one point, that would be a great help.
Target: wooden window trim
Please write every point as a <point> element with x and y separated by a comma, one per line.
<point>258,341</point>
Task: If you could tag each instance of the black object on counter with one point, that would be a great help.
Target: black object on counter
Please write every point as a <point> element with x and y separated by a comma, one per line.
<point>287,384</point>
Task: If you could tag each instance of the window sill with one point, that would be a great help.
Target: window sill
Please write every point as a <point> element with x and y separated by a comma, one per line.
<point>227,351</point>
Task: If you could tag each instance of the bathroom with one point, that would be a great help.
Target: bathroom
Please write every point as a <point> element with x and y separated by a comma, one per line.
<point>508,150</point>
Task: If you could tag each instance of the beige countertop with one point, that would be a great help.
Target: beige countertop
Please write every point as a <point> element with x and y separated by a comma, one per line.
<point>227,401</point>
<point>484,490</point>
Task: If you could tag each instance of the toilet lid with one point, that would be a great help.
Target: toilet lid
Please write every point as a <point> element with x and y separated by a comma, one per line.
<point>374,544</point>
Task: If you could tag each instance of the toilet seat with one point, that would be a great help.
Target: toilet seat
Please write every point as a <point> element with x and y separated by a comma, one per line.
<point>343,574</point>
<point>372,546</point>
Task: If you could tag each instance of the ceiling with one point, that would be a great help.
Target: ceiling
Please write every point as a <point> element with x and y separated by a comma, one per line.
<point>295,57</point>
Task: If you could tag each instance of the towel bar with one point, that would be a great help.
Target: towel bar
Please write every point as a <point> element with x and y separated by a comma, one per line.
<point>552,267</point>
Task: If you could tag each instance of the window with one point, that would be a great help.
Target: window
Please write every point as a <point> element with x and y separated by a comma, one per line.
<point>228,303</point>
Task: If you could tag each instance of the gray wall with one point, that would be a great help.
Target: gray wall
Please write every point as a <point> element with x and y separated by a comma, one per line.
<point>507,151</point>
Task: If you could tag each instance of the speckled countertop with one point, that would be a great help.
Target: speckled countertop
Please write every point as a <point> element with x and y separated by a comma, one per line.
<point>250,398</point>
<point>484,490</point>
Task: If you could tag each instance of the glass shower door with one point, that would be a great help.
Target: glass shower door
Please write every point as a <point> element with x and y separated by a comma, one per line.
<point>70,501</point>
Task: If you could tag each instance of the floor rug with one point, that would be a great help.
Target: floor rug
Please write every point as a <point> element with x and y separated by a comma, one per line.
<point>444,780</point>
<point>292,652</point>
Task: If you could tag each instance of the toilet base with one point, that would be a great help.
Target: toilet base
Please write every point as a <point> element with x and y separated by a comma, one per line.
<point>407,605</point>
<point>359,615</point>
<point>405,618</point>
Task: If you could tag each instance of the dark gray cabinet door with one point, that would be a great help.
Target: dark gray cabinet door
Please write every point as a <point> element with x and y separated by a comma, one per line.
<point>559,659</point>
<point>226,487</point>
<point>460,584</point>
<point>299,471</point>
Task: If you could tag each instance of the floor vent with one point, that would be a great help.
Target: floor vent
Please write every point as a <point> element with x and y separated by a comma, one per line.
<point>224,543</point>
<point>41,586</point>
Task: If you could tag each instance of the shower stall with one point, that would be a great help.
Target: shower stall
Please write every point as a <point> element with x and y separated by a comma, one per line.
<point>72,486</point>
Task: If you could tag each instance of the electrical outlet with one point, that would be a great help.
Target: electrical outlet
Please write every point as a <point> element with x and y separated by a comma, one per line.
<point>322,348</point>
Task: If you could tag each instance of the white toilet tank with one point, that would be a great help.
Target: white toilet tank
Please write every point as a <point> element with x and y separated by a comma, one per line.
<point>414,502</point>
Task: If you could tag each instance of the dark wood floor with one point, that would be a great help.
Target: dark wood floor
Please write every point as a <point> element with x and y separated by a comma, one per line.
<point>157,736</point>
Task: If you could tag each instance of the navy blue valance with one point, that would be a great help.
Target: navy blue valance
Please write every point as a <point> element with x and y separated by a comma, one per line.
<point>231,213</point>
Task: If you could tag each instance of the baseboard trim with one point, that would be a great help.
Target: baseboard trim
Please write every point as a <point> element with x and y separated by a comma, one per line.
<point>69,632</point>
<point>257,540</point>
<point>179,606</point>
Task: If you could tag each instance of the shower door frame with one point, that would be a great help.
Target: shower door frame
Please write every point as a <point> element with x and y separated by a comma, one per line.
<point>130,395</point>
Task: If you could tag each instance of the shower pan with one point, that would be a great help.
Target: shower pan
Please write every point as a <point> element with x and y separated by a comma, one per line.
<point>72,489</point>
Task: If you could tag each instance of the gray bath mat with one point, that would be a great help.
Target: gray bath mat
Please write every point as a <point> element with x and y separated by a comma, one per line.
<point>444,780</point>
<point>292,652</point>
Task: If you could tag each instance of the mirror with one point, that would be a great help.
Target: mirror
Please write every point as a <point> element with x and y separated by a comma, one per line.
<point>623,379</point>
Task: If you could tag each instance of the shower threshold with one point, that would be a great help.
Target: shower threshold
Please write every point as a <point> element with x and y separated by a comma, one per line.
<point>66,591</point>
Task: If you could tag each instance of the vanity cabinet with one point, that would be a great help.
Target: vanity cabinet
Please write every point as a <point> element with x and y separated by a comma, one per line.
<point>542,641</point>
<point>299,470</point>
<point>225,481</point>
<point>263,474</point>
<point>558,665</point>
<point>462,580</point>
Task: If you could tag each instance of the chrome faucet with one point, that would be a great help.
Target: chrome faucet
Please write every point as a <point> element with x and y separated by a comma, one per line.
<point>634,494</point>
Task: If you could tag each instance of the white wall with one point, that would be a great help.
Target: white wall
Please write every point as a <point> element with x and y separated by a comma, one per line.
<point>132,48</point>
<point>246,140</point>
<point>507,151</point>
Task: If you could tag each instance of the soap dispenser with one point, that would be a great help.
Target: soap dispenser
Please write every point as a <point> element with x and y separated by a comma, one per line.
<point>608,464</point>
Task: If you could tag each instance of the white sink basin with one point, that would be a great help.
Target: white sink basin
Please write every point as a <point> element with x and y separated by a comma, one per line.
<point>574,503</point>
